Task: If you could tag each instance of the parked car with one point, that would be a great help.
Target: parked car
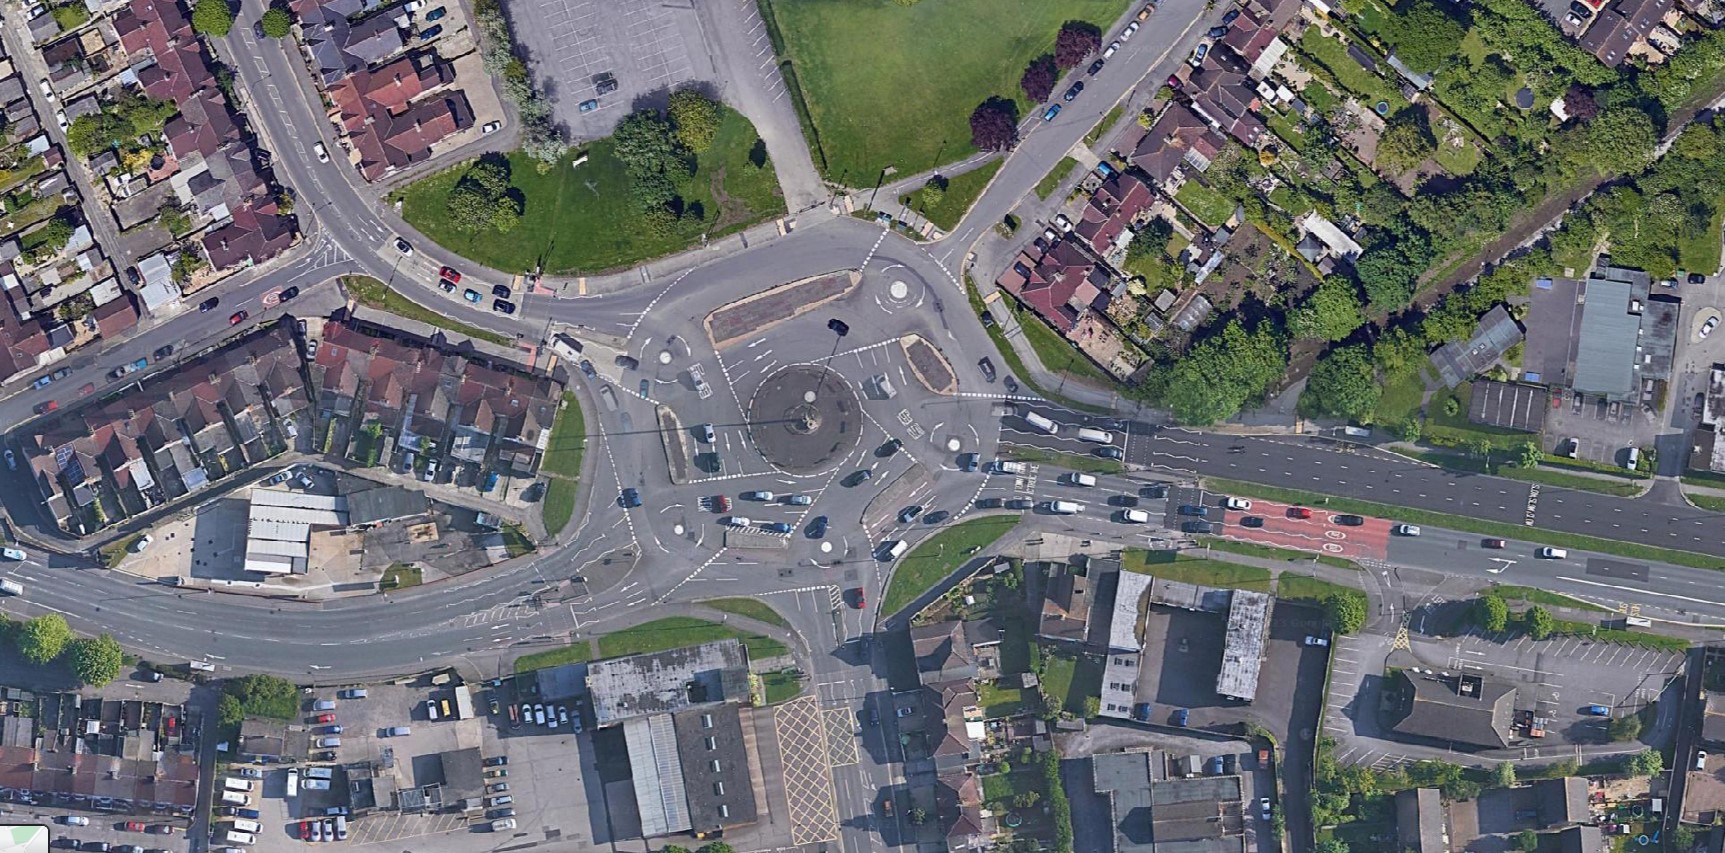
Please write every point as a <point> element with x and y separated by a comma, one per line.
<point>321,152</point>
<point>1198,55</point>
<point>491,127</point>
<point>1051,112</point>
<point>589,105</point>
<point>503,306</point>
<point>238,317</point>
<point>1181,716</point>
<point>1096,66</point>
<point>1708,327</point>
<point>1316,641</point>
<point>1108,52</point>
<point>436,14</point>
<point>431,32</point>
<point>1073,91</point>
<point>987,368</point>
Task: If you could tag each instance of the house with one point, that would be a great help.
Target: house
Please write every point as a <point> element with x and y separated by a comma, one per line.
<point>1258,46</point>
<point>1323,239</point>
<point>958,802</point>
<point>1582,839</point>
<point>391,87</point>
<point>1422,823</point>
<point>203,126</point>
<point>959,649</point>
<point>1620,26</point>
<point>1060,285</point>
<point>1179,138</point>
<point>252,236</point>
<point>1465,710</point>
<point>1562,802</point>
<point>1068,599</point>
<point>955,723</point>
<point>1495,334</point>
<point>1115,206</point>
<point>338,48</point>
<point>1228,100</point>
<point>392,142</point>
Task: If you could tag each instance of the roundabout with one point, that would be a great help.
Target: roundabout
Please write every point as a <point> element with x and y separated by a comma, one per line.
<point>803,417</point>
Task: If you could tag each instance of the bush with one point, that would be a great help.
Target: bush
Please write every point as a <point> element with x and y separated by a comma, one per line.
<point>276,23</point>
<point>265,696</point>
<point>1491,613</point>
<point>1347,611</point>
<point>212,18</point>
<point>1539,622</point>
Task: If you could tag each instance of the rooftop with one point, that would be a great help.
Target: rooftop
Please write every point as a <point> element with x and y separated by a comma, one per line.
<point>1243,651</point>
<point>1465,710</point>
<point>664,682</point>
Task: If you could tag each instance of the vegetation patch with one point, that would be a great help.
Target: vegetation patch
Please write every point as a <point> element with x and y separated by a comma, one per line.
<point>1070,461</point>
<point>1170,566</point>
<point>1271,552</point>
<point>1050,181</point>
<point>945,201</point>
<point>939,556</point>
<point>1535,595</point>
<point>580,652</point>
<point>759,611</point>
<point>1056,353</point>
<point>781,685</point>
<point>401,576</point>
<point>677,632</point>
<point>562,462</point>
<point>372,293</point>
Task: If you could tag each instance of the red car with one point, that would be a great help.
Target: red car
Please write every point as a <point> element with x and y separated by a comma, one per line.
<point>238,318</point>
<point>305,830</point>
<point>1299,512</point>
<point>44,408</point>
<point>134,826</point>
<point>88,389</point>
<point>858,599</point>
<point>326,718</point>
<point>451,274</point>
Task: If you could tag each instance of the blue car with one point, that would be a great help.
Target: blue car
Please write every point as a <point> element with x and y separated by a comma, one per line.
<point>1598,711</point>
<point>1052,112</point>
<point>436,14</point>
<point>431,32</point>
<point>780,527</point>
<point>1181,716</point>
<point>43,382</point>
<point>471,295</point>
<point>589,105</point>
<point>630,499</point>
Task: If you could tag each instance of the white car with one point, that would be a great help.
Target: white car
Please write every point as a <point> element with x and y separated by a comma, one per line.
<point>1240,504</point>
<point>1312,640</point>
<point>562,715</point>
<point>1108,52</point>
<point>405,248</point>
<point>1708,327</point>
<point>492,127</point>
<point>1126,34</point>
<point>75,820</point>
<point>1264,807</point>
<point>1134,516</point>
<point>1551,554</point>
<point>539,715</point>
<point>321,152</point>
<point>1407,530</point>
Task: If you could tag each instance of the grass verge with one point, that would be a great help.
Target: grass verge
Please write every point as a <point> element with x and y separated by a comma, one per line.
<point>401,576</point>
<point>678,632</point>
<point>1535,595</point>
<point>112,553</point>
<point>1555,538</point>
<point>1292,585</point>
<point>1046,186</point>
<point>1170,566</point>
<point>939,556</point>
<point>372,293</point>
<point>563,463</point>
<point>1069,461</point>
<point>1103,125</point>
<point>580,219</point>
<point>781,685</point>
<point>1271,552</point>
<point>750,609</point>
<point>961,192</point>
<point>516,541</point>
<point>1706,502</point>
<point>1058,354</point>
<point>580,652</point>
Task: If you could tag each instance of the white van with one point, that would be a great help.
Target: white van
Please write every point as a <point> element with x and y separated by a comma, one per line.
<point>1551,554</point>
<point>201,666</point>
<point>894,549</point>
<point>292,783</point>
<point>1085,480</point>
<point>340,828</point>
<point>1041,423</point>
<point>242,838</point>
<point>250,826</point>
<point>320,772</point>
<point>233,784</point>
<point>235,798</point>
<point>1633,459</point>
<point>315,784</point>
<point>1099,436</point>
<point>328,742</point>
<point>1064,507</point>
<point>1135,516</point>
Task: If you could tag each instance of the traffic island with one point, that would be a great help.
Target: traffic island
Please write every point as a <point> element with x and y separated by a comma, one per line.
<point>929,364</point>
<point>804,417</point>
<point>769,308</point>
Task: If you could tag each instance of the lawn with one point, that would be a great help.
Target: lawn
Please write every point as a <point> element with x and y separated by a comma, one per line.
<point>580,652</point>
<point>1056,353</point>
<point>1292,585</point>
<point>1069,461</point>
<point>999,701</point>
<point>1460,161</point>
<point>1209,206</point>
<point>1333,55</point>
<point>1103,125</point>
<point>1456,431</point>
<point>580,220</point>
<point>961,192</point>
<point>516,542</point>
<point>749,608</point>
<point>1535,595</point>
<point>891,85</point>
<point>1467,525</point>
<point>1067,681</point>
<point>115,551</point>
<point>1698,250</point>
<point>1271,552</point>
<point>1169,566</point>
<point>372,293</point>
<point>781,685</point>
<point>939,556</point>
<point>1046,186</point>
<point>401,576</point>
<point>1619,487</point>
<point>676,632</point>
<point>1706,502</point>
<point>563,463</point>
<point>1400,401</point>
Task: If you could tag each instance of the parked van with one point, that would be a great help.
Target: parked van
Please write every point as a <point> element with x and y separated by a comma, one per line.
<point>397,731</point>
<point>235,798</point>
<point>1633,459</point>
<point>250,826</point>
<point>292,783</point>
<point>323,705</point>
<point>1135,516</point>
<point>320,772</point>
<point>1086,480</point>
<point>11,588</point>
<point>1100,436</point>
<point>503,825</point>
<point>1005,466</point>
<point>894,549</point>
<point>340,828</point>
<point>316,784</point>
<point>233,784</point>
<point>1041,423</point>
<point>242,838</point>
<point>1064,507</point>
<point>1638,622</point>
<point>201,666</point>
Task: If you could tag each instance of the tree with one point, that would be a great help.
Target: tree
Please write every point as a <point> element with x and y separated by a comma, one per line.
<point>97,661</point>
<point>1539,622</point>
<point>994,125</point>
<point>1505,772</point>
<point>54,234</point>
<point>918,816</point>
<point>1527,455</point>
<point>186,265</point>
<point>1331,312</point>
<point>1424,34</point>
<point>483,199</point>
<point>1026,799</point>
<point>1527,840</point>
<point>1331,845</point>
<point>276,23</point>
<point>1406,141</point>
<point>1619,141</point>
<point>1221,373</point>
<point>1077,40</point>
<point>173,217</point>
<point>212,18</point>
<point>1491,613</point>
<point>932,193</point>
<point>1347,611</point>
<point>1648,762</point>
<point>715,847</point>
<point>1092,706</point>
<point>1683,838</point>
<point>1451,406</point>
<point>696,119</point>
<point>1039,78</point>
<point>43,638</point>
<point>229,712</point>
<point>1578,102</point>
<point>1626,727</point>
<point>644,142</point>
<point>285,201</point>
<point>1344,384</point>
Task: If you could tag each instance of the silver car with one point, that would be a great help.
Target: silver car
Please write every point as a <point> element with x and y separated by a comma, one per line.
<point>539,715</point>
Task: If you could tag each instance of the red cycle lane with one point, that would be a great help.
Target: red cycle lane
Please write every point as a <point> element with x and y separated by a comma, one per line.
<point>1369,541</point>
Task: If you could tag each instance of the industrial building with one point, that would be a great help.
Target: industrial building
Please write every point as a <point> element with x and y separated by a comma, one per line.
<point>279,526</point>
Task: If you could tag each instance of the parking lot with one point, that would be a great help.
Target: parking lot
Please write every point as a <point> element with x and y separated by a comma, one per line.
<point>145,833</point>
<point>648,47</point>
<point>1598,430</point>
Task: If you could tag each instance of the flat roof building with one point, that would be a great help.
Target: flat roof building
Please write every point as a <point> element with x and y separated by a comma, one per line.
<point>666,682</point>
<point>1422,824</point>
<point>279,525</point>
<point>1243,650</point>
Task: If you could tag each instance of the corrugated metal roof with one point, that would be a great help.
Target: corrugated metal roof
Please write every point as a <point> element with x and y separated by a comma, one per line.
<point>1605,350</point>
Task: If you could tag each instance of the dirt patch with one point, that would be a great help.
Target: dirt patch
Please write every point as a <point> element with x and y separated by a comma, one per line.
<point>929,365</point>
<point>764,310</point>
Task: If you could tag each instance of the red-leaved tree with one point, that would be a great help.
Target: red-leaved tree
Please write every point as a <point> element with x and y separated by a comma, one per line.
<point>1077,40</point>
<point>994,125</point>
<point>1038,79</point>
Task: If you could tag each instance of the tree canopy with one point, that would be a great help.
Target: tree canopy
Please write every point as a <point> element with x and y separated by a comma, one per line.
<point>212,18</point>
<point>994,125</point>
<point>276,23</point>
<point>483,199</point>
<point>97,660</point>
<point>1406,141</point>
<point>696,119</point>
<point>1347,612</point>
<point>1491,612</point>
<point>1039,78</point>
<point>1221,374</point>
<point>43,638</point>
<point>1344,384</point>
<point>1424,34</point>
<point>1331,312</point>
<point>1077,40</point>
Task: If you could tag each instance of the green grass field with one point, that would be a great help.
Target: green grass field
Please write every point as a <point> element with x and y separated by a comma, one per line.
<point>1401,398</point>
<point>961,192</point>
<point>580,652</point>
<point>1103,125</point>
<point>1209,206</point>
<point>750,608</point>
<point>580,220</point>
<point>781,685</point>
<point>890,85</point>
<point>1710,503</point>
<point>941,555</point>
<point>1067,680</point>
<point>563,463</point>
<point>1056,353</point>
<point>372,293</point>
<point>678,632</point>
<point>1168,566</point>
<point>1535,595</point>
<point>1045,187</point>
<point>1069,461</point>
<point>1291,585</point>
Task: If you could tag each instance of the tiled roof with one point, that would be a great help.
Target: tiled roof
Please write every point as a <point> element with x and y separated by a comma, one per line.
<point>390,142</point>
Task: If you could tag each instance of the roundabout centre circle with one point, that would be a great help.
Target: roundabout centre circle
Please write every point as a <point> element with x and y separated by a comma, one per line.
<point>804,417</point>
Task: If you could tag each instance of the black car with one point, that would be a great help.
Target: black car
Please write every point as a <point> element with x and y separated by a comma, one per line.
<point>891,447</point>
<point>447,285</point>
<point>987,369</point>
<point>1097,66</point>
<point>1074,91</point>
<point>1697,278</point>
<point>909,513</point>
<point>936,517</point>
<point>1021,503</point>
<point>209,304</point>
<point>501,291</point>
<point>988,321</point>
<point>1348,520</point>
<point>1252,521</point>
<point>1217,32</point>
<point>98,846</point>
<point>1193,509</point>
<point>990,503</point>
<point>1011,385</point>
<point>818,527</point>
<point>838,327</point>
<point>1154,491</point>
<point>630,498</point>
<point>163,351</point>
<point>503,306</point>
<point>856,478</point>
<point>1582,9</point>
<point>1123,500</point>
<point>605,83</point>
<point>1198,527</point>
<point>1231,17</point>
<point>289,293</point>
